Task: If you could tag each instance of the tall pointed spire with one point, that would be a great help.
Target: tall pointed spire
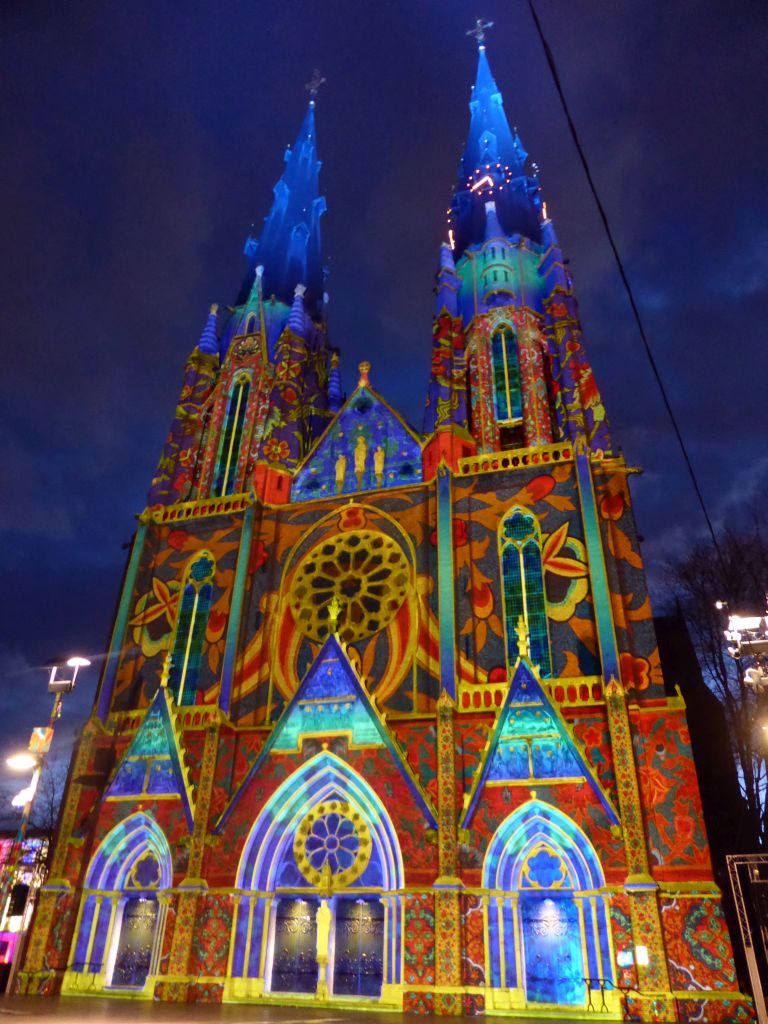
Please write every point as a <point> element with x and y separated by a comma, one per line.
<point>492,167</point>
<point>289,248</point>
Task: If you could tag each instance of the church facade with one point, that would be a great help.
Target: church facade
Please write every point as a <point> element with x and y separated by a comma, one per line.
<point>382,720</point>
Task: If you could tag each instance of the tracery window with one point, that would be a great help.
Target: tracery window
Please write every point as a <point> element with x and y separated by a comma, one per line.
<point>191,623</point>
<point>507,396</point>
<point>232,436</point>
<point>523,587</point>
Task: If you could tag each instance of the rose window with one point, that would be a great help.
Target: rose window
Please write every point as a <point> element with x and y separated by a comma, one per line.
<point>332,838</point>
<point>364,574</point>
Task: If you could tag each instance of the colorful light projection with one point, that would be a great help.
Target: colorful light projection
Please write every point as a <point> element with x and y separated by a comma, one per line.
<point>368,446</point>
<point>536,861</point>
<point>325,791</point>
<point>130,868</point>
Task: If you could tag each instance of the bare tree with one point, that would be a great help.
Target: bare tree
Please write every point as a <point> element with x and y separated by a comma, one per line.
<point>45,809</point>
<point>738,575</point>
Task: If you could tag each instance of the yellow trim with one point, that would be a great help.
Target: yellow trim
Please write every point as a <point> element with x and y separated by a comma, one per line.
<point>543,456</point>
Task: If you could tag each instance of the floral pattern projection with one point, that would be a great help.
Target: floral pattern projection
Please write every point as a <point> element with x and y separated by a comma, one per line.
<point>168,551</point>
<point>376,561</point>
<point>554,499</point>
<point>670,791</point>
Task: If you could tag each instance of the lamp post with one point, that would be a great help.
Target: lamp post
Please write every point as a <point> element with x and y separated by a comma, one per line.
<point>33,757</point>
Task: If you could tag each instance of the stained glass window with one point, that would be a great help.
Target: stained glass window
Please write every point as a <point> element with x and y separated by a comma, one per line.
<point>507,396</point>
<point>232,436</point>
<point>523,587</point>
<point>191,623</point>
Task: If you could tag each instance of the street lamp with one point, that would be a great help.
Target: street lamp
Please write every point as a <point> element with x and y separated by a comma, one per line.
<point>33,757</point>
<point>747,636</point>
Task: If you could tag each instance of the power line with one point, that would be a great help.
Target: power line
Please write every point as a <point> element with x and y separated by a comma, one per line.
<point>625,280</point>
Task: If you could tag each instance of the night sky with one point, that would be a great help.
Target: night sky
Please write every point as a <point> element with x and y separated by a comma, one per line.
<point>141,141</point>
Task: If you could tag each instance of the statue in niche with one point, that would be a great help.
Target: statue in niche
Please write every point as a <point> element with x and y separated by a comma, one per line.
<point>324,918</point>
<point>341,472</point>
<point>378,465</point>
<point>361,454</point>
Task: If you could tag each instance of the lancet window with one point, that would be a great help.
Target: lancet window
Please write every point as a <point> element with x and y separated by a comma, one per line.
<point>523,588</point>
<point>232,437</point>
<point>191,623</point>
<point>507,396</point>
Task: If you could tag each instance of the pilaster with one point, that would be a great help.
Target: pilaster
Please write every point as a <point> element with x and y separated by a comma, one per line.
<point>177,980</point>
<point>447,886</point>
<point>656,1000</point>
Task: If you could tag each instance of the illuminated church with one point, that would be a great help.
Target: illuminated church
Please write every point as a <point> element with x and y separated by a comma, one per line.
<point>382,720</point>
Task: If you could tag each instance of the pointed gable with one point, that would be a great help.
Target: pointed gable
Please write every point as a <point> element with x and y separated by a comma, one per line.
<point>153,765</point>
<point>366,447</point>
<point>330,701</point>
<point>532,742</point>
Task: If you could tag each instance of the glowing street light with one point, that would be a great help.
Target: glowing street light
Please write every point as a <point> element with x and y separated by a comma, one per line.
<point>21,762</point>
<point>34,758</point>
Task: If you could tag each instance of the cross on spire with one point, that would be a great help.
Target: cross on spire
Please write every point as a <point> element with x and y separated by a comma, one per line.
<point>314,83</point>
<point>479,30</point>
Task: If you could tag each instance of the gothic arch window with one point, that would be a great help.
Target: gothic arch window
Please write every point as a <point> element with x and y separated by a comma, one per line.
<point>232,437</point>
<point>507,395</point>
<point>191,623</point>
<point>547,920</point>
<point>250,323</point>
<point>122,914</point>
<point>323,822</point>
<point>523,587</point>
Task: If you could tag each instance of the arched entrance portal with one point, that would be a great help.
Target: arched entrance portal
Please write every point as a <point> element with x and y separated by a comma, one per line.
<point>311,918</point>
<point>546,939</point>
<point>117,939</point>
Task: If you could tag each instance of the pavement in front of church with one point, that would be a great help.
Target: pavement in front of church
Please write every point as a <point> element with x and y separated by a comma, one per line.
<point>95,1010</point>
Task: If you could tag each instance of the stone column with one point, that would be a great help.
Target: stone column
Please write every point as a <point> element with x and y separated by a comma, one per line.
<point>178,980</point>
<point>447,886</point>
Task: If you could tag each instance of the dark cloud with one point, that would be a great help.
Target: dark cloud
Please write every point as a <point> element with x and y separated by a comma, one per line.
<point>141,142</point>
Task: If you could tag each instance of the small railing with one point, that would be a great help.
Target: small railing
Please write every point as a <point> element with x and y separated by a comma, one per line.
<point>519,458</point>
<point>198,509</point>
<point>579,691</point>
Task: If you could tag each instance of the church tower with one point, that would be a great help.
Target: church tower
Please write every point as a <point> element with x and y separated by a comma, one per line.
<point>382,720</point>
<point>256,386</point>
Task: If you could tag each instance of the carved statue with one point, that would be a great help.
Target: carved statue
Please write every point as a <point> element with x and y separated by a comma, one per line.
<point>361,454</point>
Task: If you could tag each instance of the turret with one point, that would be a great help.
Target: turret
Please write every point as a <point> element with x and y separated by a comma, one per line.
<point>508,368</point>
<point>174,478</point>
<point>492,167</point>
<point>289,246</point>
<point>267,399</point>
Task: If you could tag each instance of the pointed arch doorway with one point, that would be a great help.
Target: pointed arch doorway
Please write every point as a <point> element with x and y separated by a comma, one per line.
<point>122,913</point>
<point>325,853</point>
<point>547,940</point>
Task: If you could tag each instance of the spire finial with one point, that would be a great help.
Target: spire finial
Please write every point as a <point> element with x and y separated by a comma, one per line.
<point>479,31</point>
<point>364,369</point>
<point>314,84</point>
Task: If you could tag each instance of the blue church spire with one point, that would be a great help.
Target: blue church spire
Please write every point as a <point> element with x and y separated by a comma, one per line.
<point>289,248</point>
<point>492,167</point>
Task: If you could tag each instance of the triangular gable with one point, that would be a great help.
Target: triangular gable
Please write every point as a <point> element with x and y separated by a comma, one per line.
<point>532,742</point>
<point>331,700</point>
<point>366,446</point>
<point>153,765</point>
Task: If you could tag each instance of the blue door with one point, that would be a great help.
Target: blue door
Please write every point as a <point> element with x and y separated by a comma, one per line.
<point>294,959</point>
<point>137,939</point>
<point>359,961</point>
<point>554,969</point>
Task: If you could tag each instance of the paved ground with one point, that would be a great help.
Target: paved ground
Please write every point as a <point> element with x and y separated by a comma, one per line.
<point>74,1010</point>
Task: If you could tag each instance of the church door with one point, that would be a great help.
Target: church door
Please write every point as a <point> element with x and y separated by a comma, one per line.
<point>554,971</point>
<point>294,962</point>
<point>136,942</point>
<point>359,948</point>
